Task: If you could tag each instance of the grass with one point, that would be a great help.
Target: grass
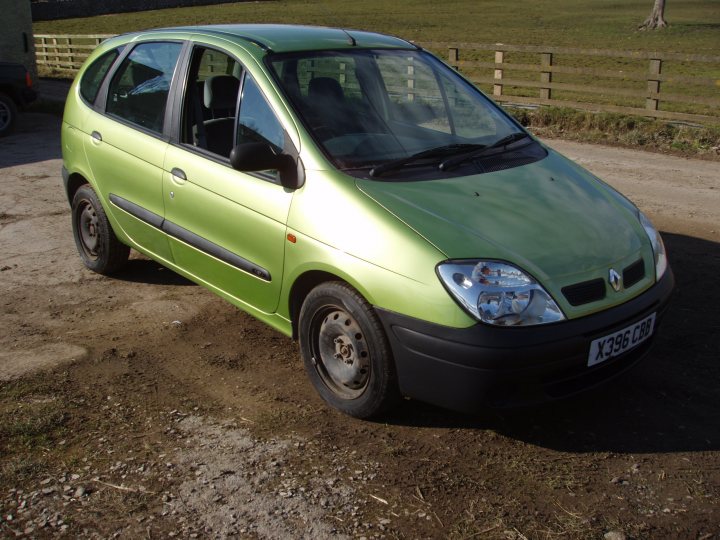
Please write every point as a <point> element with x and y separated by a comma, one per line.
<point>694,28</point>
<point>622,130</point>
<point>573,23</point>
<point>32,419</point>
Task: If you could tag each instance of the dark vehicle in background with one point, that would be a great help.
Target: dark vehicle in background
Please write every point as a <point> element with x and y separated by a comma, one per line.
<point>16,91</point>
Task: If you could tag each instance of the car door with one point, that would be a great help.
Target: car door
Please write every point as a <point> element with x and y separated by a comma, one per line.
<point>125,145</point>
<point>226,227</point>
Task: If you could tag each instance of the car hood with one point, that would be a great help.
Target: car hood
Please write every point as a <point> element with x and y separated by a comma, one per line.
<point>551,217</point>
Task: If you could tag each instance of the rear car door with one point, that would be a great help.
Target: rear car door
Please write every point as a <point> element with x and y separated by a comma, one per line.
<point>226,227</point>
<point>125,144</point>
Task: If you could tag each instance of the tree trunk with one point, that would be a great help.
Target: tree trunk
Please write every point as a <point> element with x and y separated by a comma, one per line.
<point>656,20</point>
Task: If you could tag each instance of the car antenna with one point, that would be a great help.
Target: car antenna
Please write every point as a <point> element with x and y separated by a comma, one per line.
<point>351,40</point>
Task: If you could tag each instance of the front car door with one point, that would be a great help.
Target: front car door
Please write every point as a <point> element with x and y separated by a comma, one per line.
<point>226,228</point>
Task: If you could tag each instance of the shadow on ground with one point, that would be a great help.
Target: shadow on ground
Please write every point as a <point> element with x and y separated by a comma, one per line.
<point>150,272</point>
<point>669,403</point>
<point>36,138</point>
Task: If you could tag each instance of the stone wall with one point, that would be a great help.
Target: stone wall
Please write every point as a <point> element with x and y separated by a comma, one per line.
<point>45,10</point>
<point>16,35</point>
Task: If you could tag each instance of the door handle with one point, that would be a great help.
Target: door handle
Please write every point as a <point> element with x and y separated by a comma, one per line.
<point>96,137</point>
<point>178,176</point>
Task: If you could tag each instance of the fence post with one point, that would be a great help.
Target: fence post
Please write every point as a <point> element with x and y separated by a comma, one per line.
<point>411,80</point>
<point>57,51</point>
<point>498,87</point>
<point>453,57</point>
<point>342,74</point>
<point>653,84</point>
<point>546,76</point>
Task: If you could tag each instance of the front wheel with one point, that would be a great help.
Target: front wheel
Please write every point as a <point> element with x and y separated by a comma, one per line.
<point>96,242</point>
<point>346,352</point>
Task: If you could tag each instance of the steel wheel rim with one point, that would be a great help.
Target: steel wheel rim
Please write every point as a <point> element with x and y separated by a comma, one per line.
<point>87,226</point>
<point>340,352</point>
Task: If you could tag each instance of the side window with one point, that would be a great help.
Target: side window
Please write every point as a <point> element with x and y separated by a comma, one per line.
<point>257,122</point>
<point>93,77</point>
<point>139,90</point>
<point>211,97</point>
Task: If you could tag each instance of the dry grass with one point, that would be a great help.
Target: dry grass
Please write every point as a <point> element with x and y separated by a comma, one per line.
<point>622,130</point>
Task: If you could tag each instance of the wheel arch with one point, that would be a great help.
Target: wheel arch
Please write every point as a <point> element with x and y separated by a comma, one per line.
<point>74,181</point>
<point>305,283</point>
<point>11,92</point>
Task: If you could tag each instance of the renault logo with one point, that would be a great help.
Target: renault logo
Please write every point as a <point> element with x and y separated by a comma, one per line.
<point>615,280</point>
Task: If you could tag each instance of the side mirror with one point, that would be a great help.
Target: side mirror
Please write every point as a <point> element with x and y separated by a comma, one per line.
<point>256,156</point>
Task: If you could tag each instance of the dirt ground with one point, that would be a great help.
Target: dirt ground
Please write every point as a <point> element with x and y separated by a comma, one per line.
<point>142,406</point>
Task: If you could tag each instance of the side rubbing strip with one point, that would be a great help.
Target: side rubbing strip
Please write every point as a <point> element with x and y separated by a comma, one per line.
<point>138,211</point>
<point>216,251</point>
<point>192,239</point>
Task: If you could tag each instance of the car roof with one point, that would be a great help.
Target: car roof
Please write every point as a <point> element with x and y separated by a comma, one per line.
<point>289,38</point>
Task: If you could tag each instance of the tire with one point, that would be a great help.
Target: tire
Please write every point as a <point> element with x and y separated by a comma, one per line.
<point>8,115</point>
<point>96,242</point>
<point>346,353</point>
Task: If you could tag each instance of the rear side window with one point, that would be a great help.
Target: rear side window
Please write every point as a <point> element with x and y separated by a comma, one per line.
<point>95,74</point>
<point>139,90</point>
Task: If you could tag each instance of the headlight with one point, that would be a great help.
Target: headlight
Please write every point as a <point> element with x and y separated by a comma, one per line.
<point>498,293</point>
<point>657,245</point>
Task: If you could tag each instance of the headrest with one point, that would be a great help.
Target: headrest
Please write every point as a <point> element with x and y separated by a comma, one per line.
<point>325,87</point>
<point>221,92</point>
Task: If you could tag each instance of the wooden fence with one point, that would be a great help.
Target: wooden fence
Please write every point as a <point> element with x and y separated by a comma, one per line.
<point>65,52</point>
<point>671,86</point>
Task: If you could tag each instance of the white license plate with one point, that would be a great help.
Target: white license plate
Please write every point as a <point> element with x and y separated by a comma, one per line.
<point>623,340</point>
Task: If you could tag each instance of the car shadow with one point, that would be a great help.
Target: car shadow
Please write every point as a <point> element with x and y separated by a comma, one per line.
<point>669,403</point>
<point>150,272</point>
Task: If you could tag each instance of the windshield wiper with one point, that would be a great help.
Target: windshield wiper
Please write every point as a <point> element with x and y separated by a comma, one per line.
<point>457,160</point>
<point>439,151</point>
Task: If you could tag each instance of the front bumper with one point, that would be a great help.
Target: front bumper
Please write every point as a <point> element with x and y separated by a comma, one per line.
<point>470,368</point>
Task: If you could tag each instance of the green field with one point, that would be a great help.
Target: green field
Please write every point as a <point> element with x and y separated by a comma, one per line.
<point>694,25</point>
<point>602,24</point>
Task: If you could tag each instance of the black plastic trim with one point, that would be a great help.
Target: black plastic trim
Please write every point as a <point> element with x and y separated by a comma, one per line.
<point>584,292</point>
<point>633,273</point>
<point>190,238</point>
<point>138,211</point>
<point>66,181</point>
<point>216,251</point>
<point>101,98</point>
<point>470,368</point>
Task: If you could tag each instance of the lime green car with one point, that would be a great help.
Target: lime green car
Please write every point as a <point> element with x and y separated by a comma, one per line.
<point>354,192</point>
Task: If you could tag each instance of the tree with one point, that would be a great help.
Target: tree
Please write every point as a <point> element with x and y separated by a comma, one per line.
<point>656,19</point>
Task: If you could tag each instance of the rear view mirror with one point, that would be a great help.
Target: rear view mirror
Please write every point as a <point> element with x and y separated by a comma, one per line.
<point>257,156</point>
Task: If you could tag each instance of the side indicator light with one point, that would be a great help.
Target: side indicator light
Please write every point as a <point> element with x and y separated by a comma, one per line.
<point>291,238</point>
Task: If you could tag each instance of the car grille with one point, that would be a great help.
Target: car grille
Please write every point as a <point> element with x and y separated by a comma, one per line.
<point>585,292</point>
<point>593,290</point>
<point>633,273</point>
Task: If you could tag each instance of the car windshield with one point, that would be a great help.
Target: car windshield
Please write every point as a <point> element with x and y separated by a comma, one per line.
<point>385,110</point>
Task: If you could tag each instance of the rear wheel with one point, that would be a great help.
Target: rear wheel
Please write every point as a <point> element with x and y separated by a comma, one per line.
<point>8,115</point>
<point>96,242</point>
<point>346,352</point>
